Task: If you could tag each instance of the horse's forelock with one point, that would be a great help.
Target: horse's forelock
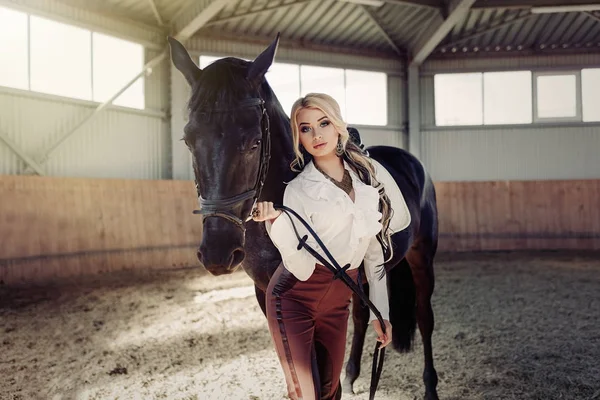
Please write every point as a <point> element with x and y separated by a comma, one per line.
<point>221,85</point>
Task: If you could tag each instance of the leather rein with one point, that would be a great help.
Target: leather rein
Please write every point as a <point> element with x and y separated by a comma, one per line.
<point>222,208</point>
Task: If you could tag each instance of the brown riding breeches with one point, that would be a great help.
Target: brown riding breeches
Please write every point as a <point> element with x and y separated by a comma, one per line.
<point>308,322</point>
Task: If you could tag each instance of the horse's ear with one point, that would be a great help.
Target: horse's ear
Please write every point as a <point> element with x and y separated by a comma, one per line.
<point>183,62</point>
<point>262,63</point>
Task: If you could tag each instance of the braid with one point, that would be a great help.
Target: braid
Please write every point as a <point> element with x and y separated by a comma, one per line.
<point>359,161</point>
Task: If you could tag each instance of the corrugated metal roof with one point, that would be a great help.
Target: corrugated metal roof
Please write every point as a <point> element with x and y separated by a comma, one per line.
<point>406,23</point>
<point>344,24</point>
<point>326,22</point>
<point>514,30</point>
<point>138,10</point>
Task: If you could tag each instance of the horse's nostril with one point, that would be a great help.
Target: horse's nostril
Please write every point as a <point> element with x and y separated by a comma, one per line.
<point>237,257</point>
<point>199,255</point>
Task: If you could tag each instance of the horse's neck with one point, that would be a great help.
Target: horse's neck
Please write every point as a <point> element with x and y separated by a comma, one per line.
<point>281,153</point>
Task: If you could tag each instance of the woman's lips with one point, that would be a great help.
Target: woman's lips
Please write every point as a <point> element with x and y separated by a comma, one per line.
<point>319,146</point>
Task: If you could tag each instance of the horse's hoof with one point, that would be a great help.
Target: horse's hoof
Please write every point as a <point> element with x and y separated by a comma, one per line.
<point>347,387</point>
<point>431,396</point>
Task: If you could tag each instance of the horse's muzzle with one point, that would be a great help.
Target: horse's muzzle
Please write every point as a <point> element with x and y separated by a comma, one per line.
<point>221,263</point>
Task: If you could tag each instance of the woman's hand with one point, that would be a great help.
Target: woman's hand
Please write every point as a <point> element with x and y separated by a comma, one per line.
<point>264,211</point>
<point>386,338</point>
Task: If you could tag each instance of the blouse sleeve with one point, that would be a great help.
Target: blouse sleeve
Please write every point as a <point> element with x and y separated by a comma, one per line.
<point>299,262</point>
<point>378,293</point>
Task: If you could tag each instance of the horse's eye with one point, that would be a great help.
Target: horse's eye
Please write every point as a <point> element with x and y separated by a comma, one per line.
<point>258,142</point>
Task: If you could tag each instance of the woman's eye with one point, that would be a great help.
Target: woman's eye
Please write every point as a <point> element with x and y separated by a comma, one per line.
<point>304,129</point>
<point>324,124</point>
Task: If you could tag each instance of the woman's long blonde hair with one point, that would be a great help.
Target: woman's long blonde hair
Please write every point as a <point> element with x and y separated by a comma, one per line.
<point>353,155</point>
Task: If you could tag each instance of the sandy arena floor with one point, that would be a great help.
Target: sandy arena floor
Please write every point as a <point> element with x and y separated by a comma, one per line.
<point>508,326</point>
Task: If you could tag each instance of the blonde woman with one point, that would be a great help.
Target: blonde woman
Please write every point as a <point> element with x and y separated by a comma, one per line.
<point>337,193</point>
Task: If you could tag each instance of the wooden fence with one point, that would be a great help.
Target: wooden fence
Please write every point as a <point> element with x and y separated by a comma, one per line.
<point>65,227</point>
<point>519,215</point>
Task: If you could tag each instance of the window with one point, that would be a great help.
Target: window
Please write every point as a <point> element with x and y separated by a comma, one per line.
<point>115,63</point>
<point>205,61</point>
<point>507,98</point>
<point>494,98</point>
<point>284,79</point>
<point>60,59</point>
<point>557,97</point>
<point>350,88</point>
<point>13,49</point>
<point>458,99</point>
<point>47,56</point>
<point>590,84</point>
<point>366,97</point>
<point>324,80</point>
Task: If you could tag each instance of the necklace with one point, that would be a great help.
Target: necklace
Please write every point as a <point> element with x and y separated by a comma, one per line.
<point>345,184</point>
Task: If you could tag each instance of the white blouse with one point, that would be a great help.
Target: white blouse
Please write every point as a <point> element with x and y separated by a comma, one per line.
<point>347,228</point>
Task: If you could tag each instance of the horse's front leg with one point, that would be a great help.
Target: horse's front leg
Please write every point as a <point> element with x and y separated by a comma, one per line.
<point>360,319</point>
<point>261,298</point>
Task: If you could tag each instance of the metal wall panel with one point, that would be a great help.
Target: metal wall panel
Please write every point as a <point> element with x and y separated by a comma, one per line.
<point>427,102</point>
<point>158,83</point>
<point>371,136</point>
<point>546,62</point>
<point>119,143</point>
<point>181,159</point>
<point>519,152</point>
<point>397,107</point>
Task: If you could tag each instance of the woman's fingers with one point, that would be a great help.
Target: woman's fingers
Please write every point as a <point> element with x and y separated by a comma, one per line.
<point>259,212</point>
<point>264,210</point>
<point>388,333</point>
<point>383,338</point>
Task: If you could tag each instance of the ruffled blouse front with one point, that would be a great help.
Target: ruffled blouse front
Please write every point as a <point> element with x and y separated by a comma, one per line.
<point>347,228</point>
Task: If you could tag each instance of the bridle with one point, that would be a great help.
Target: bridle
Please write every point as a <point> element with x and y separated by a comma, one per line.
<point>222,207</point>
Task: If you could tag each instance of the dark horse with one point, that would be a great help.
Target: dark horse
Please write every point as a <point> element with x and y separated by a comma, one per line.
<point>235,124</point>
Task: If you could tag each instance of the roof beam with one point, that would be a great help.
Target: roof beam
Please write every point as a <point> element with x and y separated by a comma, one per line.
<point>419,3</point>
<point>381,30</point>
<point>531,3</point>
<point>156,13</point>
<point>193,18</point>
<point>592,15</point>
<point>147,69</point>
<point>255,12</point>
<point>495,26</point>
<point>457,10</point>
<point>28,160</point>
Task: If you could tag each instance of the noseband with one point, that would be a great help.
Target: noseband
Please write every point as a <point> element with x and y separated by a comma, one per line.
<point>223,207</point>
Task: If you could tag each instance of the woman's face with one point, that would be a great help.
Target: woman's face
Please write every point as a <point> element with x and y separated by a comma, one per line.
<point>316,132</point>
